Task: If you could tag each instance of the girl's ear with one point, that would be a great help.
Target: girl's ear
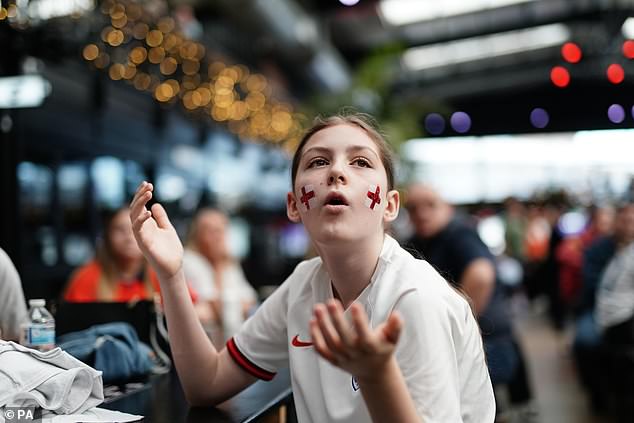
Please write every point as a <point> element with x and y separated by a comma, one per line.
<point>291,208</point>
<point>392,206</point>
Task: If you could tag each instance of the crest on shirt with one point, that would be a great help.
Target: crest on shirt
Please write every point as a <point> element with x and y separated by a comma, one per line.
<point>355,384</point>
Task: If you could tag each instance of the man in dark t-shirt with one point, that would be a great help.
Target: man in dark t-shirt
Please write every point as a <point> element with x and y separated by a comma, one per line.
<point>457,252</point>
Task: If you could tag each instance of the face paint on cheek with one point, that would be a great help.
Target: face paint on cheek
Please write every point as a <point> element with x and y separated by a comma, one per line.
<point>373,196</point>
<point>308,197</point>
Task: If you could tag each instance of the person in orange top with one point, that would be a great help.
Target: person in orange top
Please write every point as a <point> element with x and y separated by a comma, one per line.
<point>118,273</point>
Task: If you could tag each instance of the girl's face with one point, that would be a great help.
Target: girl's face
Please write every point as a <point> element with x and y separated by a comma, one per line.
<point>340,190</point>
<point>121,238</point>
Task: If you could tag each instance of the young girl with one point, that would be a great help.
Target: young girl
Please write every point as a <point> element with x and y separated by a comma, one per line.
<point>369,332</point>
<point>118,273</point>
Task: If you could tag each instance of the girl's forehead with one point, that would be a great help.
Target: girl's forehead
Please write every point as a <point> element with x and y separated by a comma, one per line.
<point>341,136</point>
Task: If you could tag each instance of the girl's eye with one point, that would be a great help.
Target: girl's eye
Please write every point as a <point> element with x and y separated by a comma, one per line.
<point>317,162</point>
<point>361,162</point>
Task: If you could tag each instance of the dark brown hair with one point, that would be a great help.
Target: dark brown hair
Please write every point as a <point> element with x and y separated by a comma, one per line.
<point>360,120</point>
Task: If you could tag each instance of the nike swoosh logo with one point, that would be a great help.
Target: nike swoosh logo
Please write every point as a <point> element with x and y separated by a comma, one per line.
<point>297,343</point>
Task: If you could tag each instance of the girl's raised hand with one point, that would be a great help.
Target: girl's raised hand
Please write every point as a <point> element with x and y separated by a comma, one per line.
<point>358,349</point>
<point>154,233</point>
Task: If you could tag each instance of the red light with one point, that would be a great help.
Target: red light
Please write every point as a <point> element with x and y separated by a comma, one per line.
<point>628,49</point>
<point>571,52</point>
<point>615,73</point>
<point>560,76</point>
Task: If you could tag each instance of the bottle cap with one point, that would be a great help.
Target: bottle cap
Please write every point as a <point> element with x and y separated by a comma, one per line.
<point>37,302</point>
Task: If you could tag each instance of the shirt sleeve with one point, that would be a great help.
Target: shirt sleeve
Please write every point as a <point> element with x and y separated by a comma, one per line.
<point>261,345</point>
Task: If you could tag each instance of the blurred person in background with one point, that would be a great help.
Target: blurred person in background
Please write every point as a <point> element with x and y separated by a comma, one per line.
<point>536,241</point>
<point>614,312</point>
<point>569,254</point>
<point>457,252</point>
<point>515,225</point>
<point>225,296</point>
<point>587,340</point>
<point>12,305</point>
<point>119,272</point>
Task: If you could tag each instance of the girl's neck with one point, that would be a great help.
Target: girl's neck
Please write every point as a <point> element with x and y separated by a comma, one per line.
<point>351,267</point>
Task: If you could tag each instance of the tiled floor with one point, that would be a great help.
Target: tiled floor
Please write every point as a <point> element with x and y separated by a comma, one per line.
<point>560,398</point>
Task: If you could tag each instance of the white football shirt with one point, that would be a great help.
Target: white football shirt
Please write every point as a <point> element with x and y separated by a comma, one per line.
<point>440,351</point>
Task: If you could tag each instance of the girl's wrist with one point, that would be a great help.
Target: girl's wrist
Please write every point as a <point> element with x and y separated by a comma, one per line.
<point>378,374</point>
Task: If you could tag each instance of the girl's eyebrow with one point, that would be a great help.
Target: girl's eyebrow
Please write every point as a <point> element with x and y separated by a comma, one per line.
<point>352,148</point>
<point>360,148</point>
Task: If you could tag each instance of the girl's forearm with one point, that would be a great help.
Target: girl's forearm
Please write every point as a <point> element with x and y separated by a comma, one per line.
<point>194,355</point>
<point>386,396</point>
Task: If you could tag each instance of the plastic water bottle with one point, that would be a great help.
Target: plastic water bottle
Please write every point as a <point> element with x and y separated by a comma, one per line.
<point>38,332</point>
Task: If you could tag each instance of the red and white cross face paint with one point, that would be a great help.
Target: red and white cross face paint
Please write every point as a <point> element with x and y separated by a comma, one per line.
<point>308,197</point>
<point>373,197</point>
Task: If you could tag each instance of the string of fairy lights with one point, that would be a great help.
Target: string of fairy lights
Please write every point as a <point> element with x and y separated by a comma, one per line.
<point>154,56</point>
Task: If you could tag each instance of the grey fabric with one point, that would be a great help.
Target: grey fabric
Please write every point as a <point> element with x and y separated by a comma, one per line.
<point>53,380</point>
<point>12,305</point>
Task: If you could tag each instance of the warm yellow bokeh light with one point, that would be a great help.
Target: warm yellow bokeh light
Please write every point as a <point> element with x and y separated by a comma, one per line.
<point>214,68</point>
<point>91,51</point>
<point>115,38</point>
<point>163,92</point>
<point>171,42</point>
<point>119,22</point>
<point>116,71</point>
<point>219,114</point>
<point>256,82</point>
<point>174,85</point>
<point>190,67</point>
<point>205,95</point>
<point>117,11</point>
<point>140,31</point>
<point>129,71</point>
<point>154,38</point>
<point>3,13</point>
<point>156,55</point>
<point>166,25</point>
<point>137,55</point>
<point>142,81</point>
<point>255,100</point>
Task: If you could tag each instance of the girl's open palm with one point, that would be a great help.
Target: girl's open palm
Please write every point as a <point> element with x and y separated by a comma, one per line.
<point>358,349</point>
<point>154,233</point>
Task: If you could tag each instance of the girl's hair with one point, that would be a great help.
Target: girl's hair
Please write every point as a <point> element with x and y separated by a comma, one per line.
<point>106,258</point>
<point>360,120</point>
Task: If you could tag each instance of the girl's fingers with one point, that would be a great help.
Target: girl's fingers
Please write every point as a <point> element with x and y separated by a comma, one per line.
<point>340,323</point>
<point>139,220</point>
<point>393,327</point>
<point>328,331</point>
<point>319,343</point>
<point>162,220</point>
<point>361,324</point>
<point>141,197</point>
